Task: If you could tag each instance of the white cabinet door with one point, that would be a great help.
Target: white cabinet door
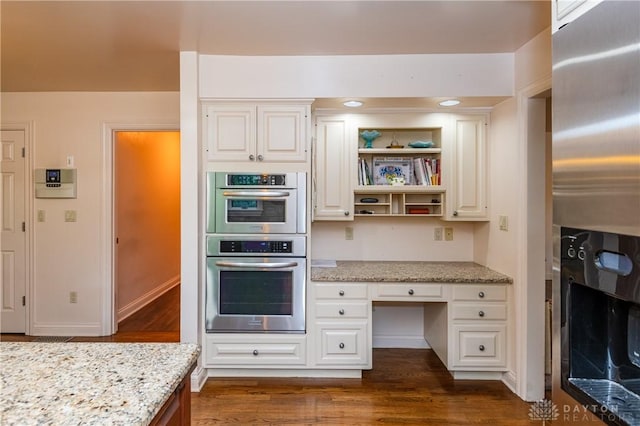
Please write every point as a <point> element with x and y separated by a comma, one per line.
<point>282,133</point>
<point>256,133</point>
<point>335,161</point>
<point>467,194</point>
<point>229,131</point>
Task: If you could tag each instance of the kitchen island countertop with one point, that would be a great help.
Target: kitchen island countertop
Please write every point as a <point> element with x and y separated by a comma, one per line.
<point>89,383</point>
<point>402,271</point>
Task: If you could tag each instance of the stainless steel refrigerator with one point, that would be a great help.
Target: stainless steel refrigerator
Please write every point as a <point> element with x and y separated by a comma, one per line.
<point>596,214</point>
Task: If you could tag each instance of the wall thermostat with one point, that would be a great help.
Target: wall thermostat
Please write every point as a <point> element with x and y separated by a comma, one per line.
<point>55,183</point>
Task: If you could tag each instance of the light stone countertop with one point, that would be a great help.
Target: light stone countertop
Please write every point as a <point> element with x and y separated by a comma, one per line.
<point>89,383</point>
<point>392,271</point>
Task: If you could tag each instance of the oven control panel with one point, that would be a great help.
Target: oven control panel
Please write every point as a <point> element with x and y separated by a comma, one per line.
<point>257,246</point>
<point>253,179</point>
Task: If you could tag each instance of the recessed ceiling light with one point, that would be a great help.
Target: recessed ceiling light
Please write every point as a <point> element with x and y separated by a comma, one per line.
<point>352,104</point>
<point>450,102</point>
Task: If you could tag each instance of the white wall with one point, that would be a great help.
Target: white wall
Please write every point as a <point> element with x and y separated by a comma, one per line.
<point>391,239</point>
<point>73,256</point>
<point>510,180</point>
<point>358,76</point>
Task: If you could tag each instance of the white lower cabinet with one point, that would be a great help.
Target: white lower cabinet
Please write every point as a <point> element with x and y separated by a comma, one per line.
<point>478,328</point>
<point>254,350</point>
<point>343,344</point>
<point>342,329</point>
<point>479,346</point>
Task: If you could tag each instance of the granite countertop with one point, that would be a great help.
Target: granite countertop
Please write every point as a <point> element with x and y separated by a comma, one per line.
<point>391,271</point>
<point>89,383</point>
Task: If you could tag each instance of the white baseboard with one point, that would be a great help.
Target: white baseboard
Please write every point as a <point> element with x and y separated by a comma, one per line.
<point>142,301</point>
<point>75,329</point>
<point>405,342</point>
<point>198,378</point>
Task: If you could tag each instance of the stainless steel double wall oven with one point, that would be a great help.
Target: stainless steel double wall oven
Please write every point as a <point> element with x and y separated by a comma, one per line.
<point>256,252</point>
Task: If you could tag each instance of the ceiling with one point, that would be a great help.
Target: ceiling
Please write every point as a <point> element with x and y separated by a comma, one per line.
<point>135,45</point>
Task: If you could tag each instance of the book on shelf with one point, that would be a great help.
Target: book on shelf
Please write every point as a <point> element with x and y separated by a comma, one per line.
<point>386,170</point>
<point>427,171</point>
<point>364,173</point>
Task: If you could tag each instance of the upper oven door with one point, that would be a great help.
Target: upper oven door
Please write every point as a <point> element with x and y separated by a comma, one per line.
<point>275,208</point>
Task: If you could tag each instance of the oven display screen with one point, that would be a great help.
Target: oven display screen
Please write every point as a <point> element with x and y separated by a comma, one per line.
<point>245,180</point>
<point>243,204</point>
<point>255,247</point>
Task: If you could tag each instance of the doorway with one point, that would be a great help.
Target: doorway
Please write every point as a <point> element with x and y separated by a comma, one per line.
<point>146,226</point>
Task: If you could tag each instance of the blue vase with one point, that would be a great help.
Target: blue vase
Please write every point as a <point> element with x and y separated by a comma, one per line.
<point>369,136</point>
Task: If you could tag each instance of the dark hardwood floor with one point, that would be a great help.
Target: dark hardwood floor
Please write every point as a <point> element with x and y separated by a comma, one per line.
<point>405,387</point>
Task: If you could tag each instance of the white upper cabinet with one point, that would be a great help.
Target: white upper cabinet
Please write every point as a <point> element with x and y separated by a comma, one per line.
<point>451,185</point>
<point>274,132</point>
<point>467,188</point>
<point>334,157</point>
<point>565,11</point>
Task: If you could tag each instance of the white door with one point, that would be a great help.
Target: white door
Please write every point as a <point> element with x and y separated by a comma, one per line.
<point>13,265</point>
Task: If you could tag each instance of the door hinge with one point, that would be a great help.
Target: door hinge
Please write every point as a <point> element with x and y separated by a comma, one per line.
<point>23,152</point>
<point>24,227</point>
<point>24,300</point>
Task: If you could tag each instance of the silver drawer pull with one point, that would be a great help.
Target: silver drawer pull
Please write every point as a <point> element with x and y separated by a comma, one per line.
<point>481,314</point>
<point>255,352</point>
<point>481,295</point>
<point>411,292</point>
<point>481,347</point>
<point>341,292</point>
<point>341,345</point>
<point>341,311</point>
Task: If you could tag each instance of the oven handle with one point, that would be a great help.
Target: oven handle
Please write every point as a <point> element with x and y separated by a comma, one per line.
<point>257,194</point>
<point>270,265</point>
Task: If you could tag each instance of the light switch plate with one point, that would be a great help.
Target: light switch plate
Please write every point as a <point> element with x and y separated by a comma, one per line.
<point>503,222</point>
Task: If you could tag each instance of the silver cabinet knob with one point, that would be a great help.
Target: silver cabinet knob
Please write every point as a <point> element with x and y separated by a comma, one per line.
<point>481,313</point>
<point>341,345</point>
<point>260,157</point>
<point>411,292</point>
<point>341,311</point>
<point>346,213</point>
<point>341,292</point>
<point>252,157</point>
<point>481,295</point>
<point>255,352</point>
<point>455,212</point>
<point>481,347</point>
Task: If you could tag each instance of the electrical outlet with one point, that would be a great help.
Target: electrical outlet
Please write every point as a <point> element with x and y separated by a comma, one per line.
<point>348,233</point>
<point>448,234</point>
<point>41,216</point>
<point>503,222</point>
<point>73,297</point>
<point>437,234</point>
<point>70,216</point>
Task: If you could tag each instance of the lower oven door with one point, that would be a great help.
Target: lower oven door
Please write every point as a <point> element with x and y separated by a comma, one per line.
<point>251,294</point>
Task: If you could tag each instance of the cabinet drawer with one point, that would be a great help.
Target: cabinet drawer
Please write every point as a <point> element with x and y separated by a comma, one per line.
<point>343,344</point>
<point>238,353</point>
<point>409,292</point>
<point>341,291</point>
<point>479,347</point>
<point>337,310</point>
<point>480,292</point>
<point>473,311</point>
